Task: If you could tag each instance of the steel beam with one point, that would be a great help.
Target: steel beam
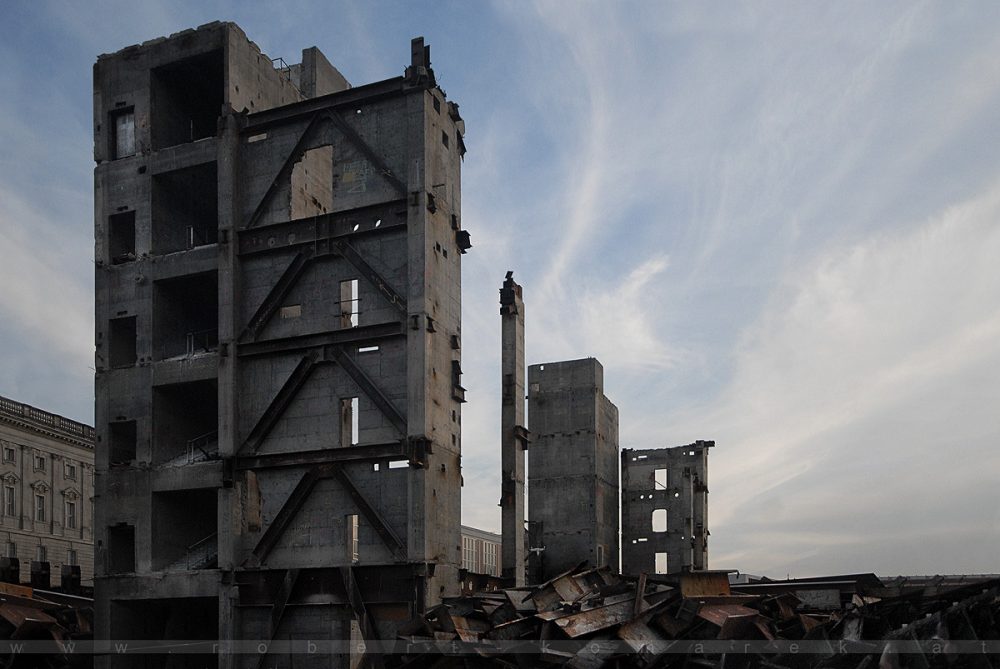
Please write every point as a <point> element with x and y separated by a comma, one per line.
<point>367,624</point>
<point>378,523</point>
<point>374,393</point>
<point>281,400</point>
<point>287,513</point>
<point>367,271</point>
<point>362,146</point>
<point>285,172</point>
<point>277,294</point>
<point>348,99</point>
<point>284,235</point>
<point>364,335</point>
<point>393,452</point>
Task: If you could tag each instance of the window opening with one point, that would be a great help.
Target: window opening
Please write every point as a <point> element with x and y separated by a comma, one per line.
<point>353,545</point>
<point>349,413</point>
<point>349,303</point>
<point>122,335</point>
<point>121,237</point>
<point>123,133</point>
<point>40,508</point>
<point>661,563</point>
<point>659,520</point>
<point>9,503</point>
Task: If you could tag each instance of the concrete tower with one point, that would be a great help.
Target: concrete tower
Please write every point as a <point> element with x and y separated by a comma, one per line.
<point>514,437</point>
<point>278,316</point>
<point>572,468</point>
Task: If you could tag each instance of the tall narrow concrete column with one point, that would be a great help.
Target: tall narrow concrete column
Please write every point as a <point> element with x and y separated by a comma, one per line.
<point>513,433</point>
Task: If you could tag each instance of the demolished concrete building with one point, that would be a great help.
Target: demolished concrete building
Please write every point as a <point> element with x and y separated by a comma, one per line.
<point>665,509</point>
<point>572,469</point>
<point>278,345</point>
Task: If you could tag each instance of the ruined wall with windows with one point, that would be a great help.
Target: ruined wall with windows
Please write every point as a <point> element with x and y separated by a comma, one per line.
<point>46,498</point>
<point>665,509</point>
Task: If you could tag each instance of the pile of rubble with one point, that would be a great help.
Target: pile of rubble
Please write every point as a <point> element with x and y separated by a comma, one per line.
<point>42,628</point>
<point>587,619</point>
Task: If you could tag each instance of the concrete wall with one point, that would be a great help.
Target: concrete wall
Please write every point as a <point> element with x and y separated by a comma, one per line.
<point>682,491</point>
<point>572,465</point>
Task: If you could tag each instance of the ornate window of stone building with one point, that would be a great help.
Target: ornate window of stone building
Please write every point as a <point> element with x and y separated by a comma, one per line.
<point>8,453</point>
<point>71,556</point>
<point>39,462</point>
<point>70,515</point>
<point>69,508</point>
<point>69,470</point>
<point>40,508</point>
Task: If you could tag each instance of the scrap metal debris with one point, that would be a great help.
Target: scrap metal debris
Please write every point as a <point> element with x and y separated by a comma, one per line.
<point>588,619</point>
<point>43,628</point>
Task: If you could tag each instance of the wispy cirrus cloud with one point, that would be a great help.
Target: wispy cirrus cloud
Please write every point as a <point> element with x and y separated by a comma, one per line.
<point>861,381</point>
<point>771,224</point>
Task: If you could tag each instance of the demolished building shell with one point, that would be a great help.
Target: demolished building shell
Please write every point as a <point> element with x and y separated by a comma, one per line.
<point>665,509</point>
<point>278,333</point>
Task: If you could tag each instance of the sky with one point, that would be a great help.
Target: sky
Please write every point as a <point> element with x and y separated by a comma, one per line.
<point>776,224</point>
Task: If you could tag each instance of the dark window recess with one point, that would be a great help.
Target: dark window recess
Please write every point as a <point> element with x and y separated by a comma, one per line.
<point>186,100</point>
<point>123,442</point>
<point>121,549</point>
<point>183,540</point>
<point>121,342</point>
<point>174,619</point>
<point>185,316</point>
<point>122,124</point>
<point>185,422</point>
<point>185,209</point>
<point>121,237</point>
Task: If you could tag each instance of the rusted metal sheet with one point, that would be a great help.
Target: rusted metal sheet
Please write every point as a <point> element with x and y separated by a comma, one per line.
<point>596,619</point>
<point>641,638</point>
<point>705,584</point>
<point>19,615</point>
<point>469,629</point>
<point>515,629</point>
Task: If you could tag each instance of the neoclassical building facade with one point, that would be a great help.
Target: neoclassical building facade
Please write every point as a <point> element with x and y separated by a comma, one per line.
<point>46,491</point>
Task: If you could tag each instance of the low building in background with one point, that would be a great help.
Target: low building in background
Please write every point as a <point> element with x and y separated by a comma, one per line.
<point>46,498</point>
<point>480,551</point>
